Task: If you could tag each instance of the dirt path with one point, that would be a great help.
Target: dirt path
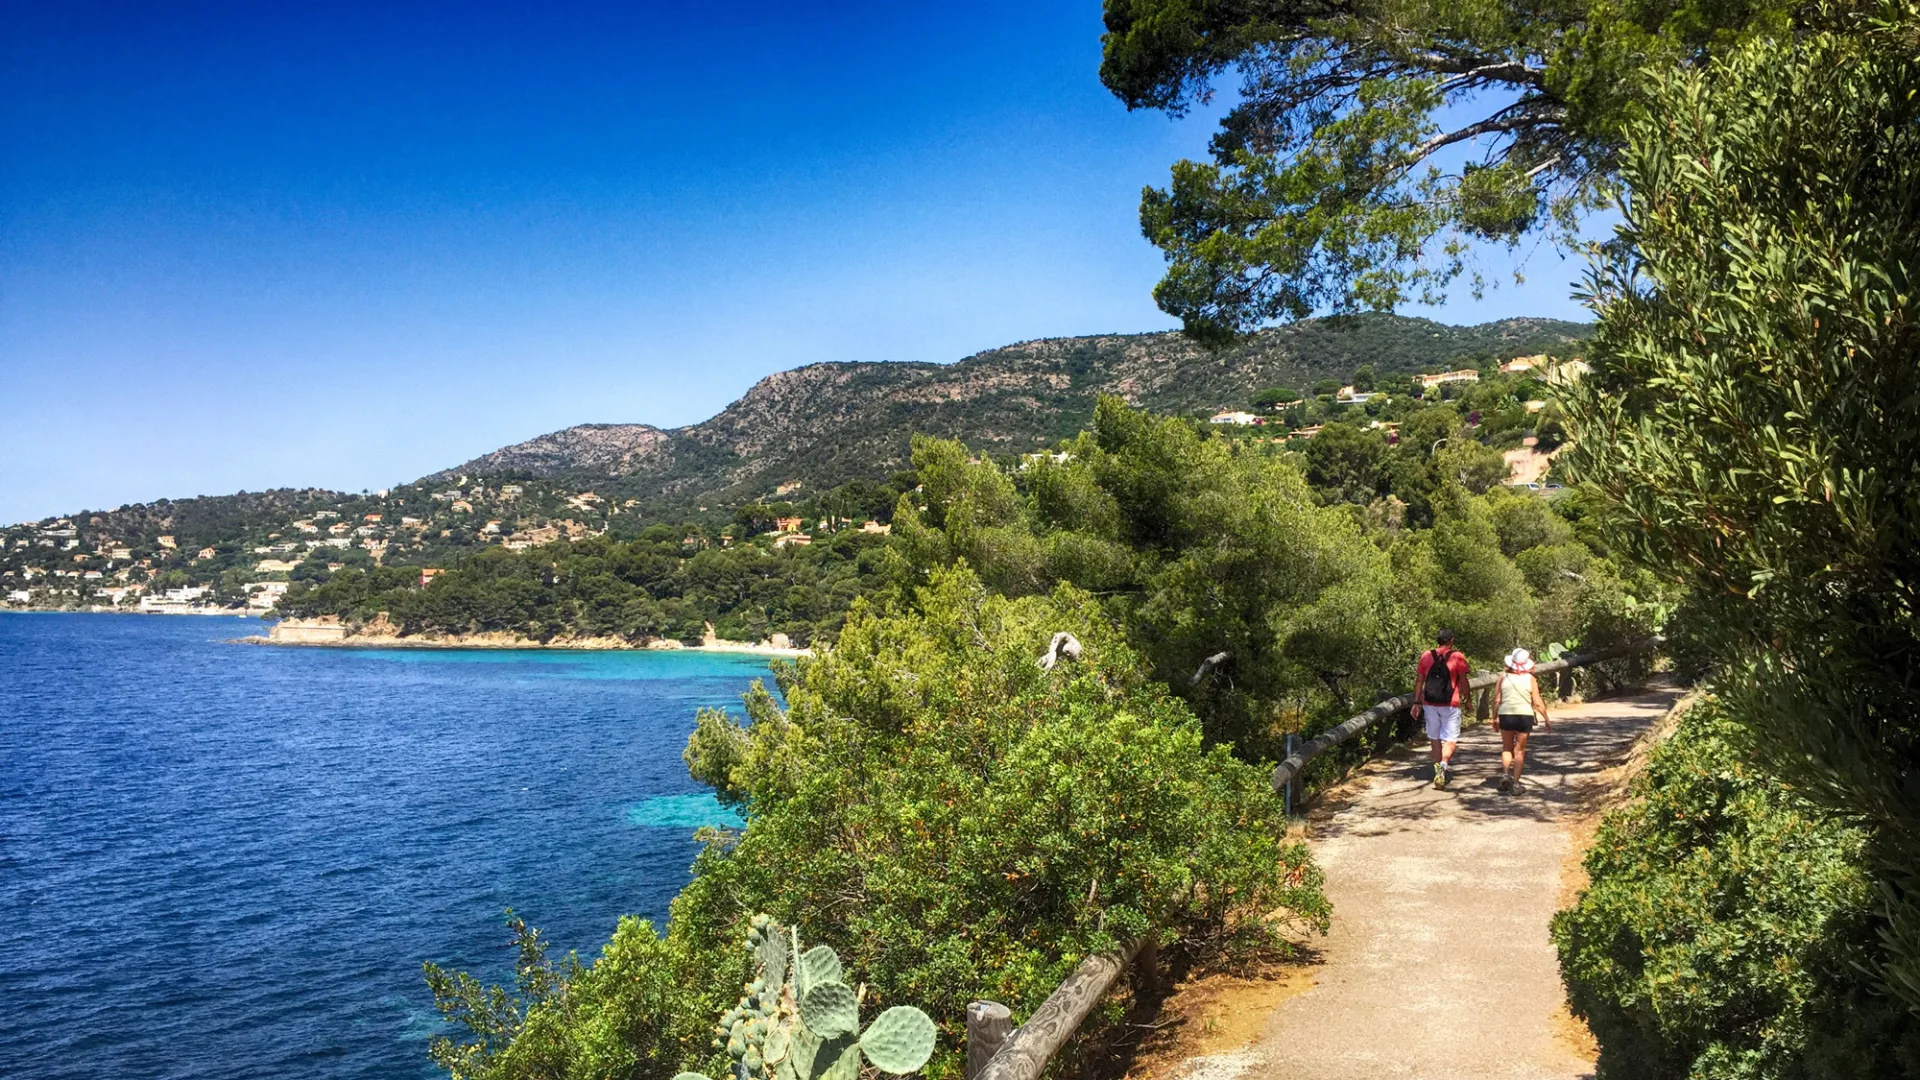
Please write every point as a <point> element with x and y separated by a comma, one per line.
<point>1439,963</point>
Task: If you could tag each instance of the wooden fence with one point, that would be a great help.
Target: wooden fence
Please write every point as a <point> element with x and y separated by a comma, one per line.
<point>996,1050</point>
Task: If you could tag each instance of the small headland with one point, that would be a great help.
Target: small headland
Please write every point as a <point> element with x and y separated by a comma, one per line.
<point>381,634</point>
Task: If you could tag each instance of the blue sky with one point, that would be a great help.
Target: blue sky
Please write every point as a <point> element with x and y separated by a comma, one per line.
<point>341,244</point>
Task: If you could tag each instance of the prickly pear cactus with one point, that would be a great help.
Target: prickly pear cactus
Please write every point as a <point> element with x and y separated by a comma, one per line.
<point>799,1020</point>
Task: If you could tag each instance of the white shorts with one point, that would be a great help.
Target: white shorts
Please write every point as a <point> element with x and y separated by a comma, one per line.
<point>1443,722</point>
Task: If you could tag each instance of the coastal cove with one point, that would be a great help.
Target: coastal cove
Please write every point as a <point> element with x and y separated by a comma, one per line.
<point>232,861</point>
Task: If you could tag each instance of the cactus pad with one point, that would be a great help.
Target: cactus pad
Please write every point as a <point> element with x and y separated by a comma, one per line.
<point>830,1009</point>
<point>899,1040</point>
<point>838,1059</point>
<point>820,965</point>
<point>771,951</point>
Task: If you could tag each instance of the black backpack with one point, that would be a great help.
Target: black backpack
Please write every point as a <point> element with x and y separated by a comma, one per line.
<point>1437,689</point>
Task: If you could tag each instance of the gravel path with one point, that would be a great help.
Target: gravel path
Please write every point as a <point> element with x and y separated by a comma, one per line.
<point>1439,964</point>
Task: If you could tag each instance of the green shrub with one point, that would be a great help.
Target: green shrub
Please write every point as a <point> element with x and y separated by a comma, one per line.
<point>1721,933</point>
<point>637,1012</point>
<point>1750,409</point>
<point>953,819</point>
<point>960,823</point>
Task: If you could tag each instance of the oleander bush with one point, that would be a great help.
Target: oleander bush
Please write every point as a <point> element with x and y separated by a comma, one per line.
<point>1725,929</point>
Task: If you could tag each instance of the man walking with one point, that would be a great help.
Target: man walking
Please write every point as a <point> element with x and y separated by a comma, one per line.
<point>1440,687</point>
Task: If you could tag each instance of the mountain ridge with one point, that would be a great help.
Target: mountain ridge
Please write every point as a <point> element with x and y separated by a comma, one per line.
<point>825,423</point>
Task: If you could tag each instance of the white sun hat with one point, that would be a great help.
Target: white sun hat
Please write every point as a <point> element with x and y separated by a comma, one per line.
<point>1520,660</point>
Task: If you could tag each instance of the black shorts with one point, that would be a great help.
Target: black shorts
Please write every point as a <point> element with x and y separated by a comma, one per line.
<point>1517,722</point>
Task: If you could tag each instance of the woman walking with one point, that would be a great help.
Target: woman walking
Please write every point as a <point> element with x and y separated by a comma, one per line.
<point>1520,702</point>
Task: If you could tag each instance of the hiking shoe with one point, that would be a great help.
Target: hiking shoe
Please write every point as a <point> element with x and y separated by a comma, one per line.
<point>1506,785</point>
<point>1439,776</point>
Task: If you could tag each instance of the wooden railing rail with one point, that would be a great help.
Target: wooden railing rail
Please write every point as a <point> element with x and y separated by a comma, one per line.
<point>996,1050</point>
<point>994,1053</point>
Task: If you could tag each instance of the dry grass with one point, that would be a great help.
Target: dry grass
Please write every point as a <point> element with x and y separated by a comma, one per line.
<point>1215,1014</point>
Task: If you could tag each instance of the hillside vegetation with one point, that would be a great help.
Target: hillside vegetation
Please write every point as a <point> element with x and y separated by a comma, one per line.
<point>824,441</point>
<point>1380,472</point>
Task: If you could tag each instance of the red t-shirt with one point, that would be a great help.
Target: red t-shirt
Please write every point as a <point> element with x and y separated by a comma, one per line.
<point>1456,663</point>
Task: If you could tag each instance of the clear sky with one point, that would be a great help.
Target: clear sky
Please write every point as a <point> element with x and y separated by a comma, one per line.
<point>346,244</point>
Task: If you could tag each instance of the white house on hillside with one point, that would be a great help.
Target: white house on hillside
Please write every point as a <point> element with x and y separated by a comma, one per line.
<point>1462,375</point>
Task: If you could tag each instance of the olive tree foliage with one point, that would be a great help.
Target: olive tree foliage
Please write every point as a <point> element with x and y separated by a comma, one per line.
<point>1751,412</point>
<point>1372,140</point>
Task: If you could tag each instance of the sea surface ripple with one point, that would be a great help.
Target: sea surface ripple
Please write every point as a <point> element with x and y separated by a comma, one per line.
<point>220,860</point>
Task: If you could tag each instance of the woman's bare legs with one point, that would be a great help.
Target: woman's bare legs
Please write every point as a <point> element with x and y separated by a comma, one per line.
<point>1514,746</point>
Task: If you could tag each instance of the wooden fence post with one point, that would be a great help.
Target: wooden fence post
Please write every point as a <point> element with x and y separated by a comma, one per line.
<point>1292,792</point>
<point>1146,966</point>
<point>1566,683</point>
<point>1485,710</point>
<point>988,1025</point>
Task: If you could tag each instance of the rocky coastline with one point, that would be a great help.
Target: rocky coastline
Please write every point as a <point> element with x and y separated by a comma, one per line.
<point>379,634</point>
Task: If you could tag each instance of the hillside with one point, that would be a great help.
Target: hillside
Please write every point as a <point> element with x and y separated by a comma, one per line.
<point>791,438</point>
<point>609,449</point>
<point>826,424</point>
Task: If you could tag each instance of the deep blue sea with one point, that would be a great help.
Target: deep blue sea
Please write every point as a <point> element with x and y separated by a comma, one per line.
<point>223,860</point>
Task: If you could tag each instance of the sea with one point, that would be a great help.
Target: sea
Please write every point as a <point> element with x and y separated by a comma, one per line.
<point>228,860</point>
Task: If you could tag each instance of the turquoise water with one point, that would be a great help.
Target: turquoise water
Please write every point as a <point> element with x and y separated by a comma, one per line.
<point>226,860</point>
<point>684,812</point>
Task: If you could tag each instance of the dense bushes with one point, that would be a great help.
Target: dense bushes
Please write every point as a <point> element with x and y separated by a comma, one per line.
<point>1197,545</point>
<point>956,821</point>
<point>959,822</point>
<point>1751,408</point>
<point>1721,936</point>
<point>1201,545</point>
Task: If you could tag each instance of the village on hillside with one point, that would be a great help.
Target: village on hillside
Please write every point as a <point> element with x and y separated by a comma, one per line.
<point>241,554</point>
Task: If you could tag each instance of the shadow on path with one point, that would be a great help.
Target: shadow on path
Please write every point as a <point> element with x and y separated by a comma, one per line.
<point>1439,963</point>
